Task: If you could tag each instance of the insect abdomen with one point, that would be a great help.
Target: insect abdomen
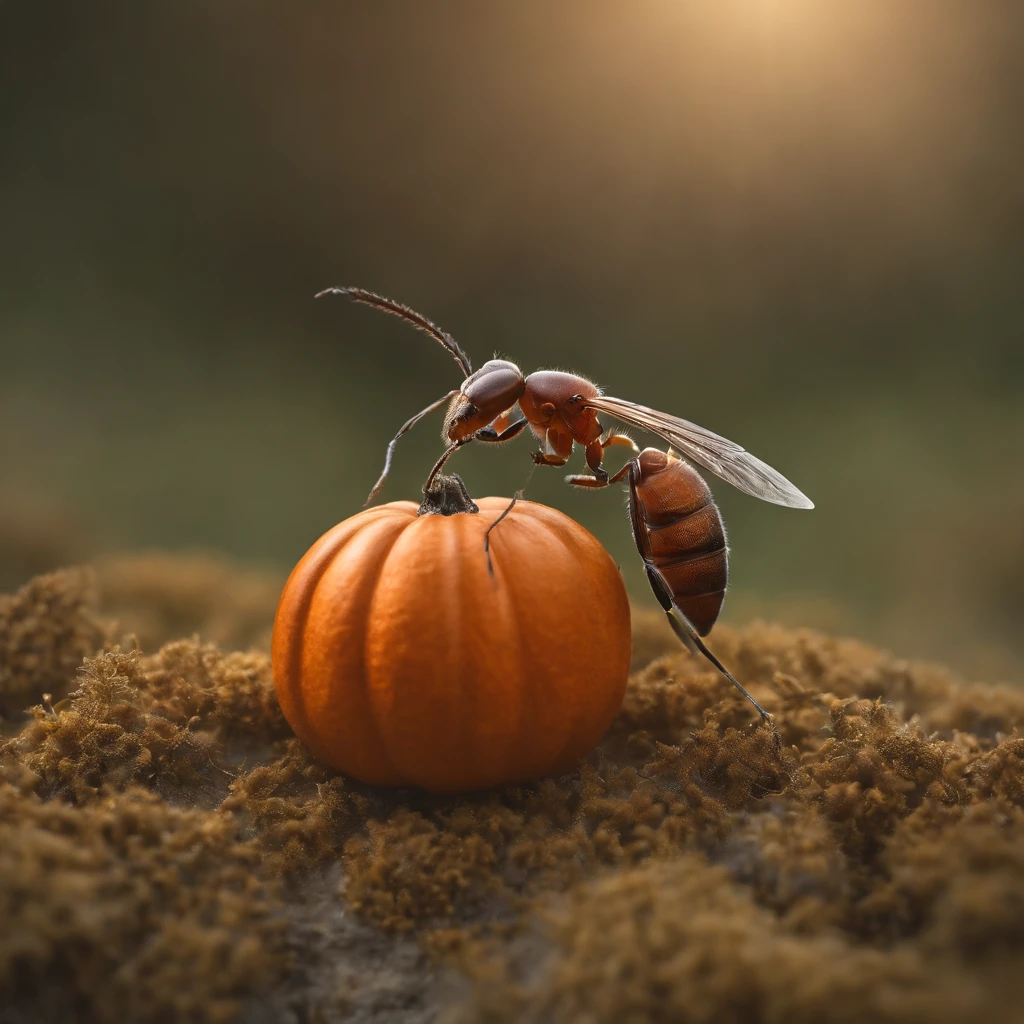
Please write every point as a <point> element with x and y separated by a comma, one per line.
<point>682,535</point>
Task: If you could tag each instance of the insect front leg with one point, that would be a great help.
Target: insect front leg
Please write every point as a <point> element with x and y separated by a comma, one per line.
<point>445,456</point>
<point>484,434</point>
<point>501,429</point>
<point>407,426</point>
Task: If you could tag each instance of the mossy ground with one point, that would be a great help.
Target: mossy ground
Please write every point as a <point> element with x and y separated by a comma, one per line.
<point>169,853</point>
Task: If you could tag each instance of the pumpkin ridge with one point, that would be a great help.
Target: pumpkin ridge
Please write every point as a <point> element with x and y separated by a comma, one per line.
<point>457,539</point>
<point>378,530</point>
<point>501,593</point>
<point>373,712</point>
<point>545,686</point>
<point>581,548</point>
<point>525,679</point>
<point>573,544</point>
<point>300,621</point>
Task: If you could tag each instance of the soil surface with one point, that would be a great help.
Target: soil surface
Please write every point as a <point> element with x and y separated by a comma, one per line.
<point>169,852</point>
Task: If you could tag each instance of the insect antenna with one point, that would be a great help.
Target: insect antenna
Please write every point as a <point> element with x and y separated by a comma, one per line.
<point>418,320</point>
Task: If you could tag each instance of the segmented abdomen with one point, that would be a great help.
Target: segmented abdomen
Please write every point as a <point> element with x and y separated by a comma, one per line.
<point>681,535</point>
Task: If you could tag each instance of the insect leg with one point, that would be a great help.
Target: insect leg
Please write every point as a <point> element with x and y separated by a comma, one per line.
<point>677,620</point>
<point>555,448</point>
<point>495,436</point>
<point>481,435</point>
<point>405,428</point>
<point>548,459</point>
<point>595,453</point>
<point>502,420</point>
<point>687,633</point>
<point>585,480</point>
<point>611,440</point>
<point>515,497</point>
<point>691,639</point>
<point>445,456</point>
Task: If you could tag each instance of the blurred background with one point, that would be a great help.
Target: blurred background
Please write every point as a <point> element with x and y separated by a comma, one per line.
<point>799,224</point>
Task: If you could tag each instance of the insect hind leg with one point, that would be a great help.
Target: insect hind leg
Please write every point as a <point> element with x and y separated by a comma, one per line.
<point>681,626</point>
<point>691,640</point>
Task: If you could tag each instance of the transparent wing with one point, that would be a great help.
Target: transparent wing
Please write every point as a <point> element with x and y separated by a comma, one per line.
<point>721,456</point>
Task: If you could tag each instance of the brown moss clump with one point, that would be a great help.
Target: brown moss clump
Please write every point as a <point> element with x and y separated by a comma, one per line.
<point>412,869</point>
<point>46,629</point>
<point>300,813</point>
<point>953,881</point>
<point>872,771</point>
<point>679,941</point>
<point>104,738</point>
<point>688,870</point>
<point>165,722</point>
<point>231,693</point>
<point>133,911</point>
<point>433,858</point>
<point>160,597</point>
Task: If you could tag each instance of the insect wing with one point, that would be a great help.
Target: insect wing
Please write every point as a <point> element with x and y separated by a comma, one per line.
<point>723,457</point>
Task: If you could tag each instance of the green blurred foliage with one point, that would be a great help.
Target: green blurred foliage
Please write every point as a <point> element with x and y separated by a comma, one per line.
<point>799,224</point>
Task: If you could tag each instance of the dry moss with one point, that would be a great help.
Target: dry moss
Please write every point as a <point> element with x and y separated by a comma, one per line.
<point>872,771</point>
<point>132,911</point>
<point>46,629</point>
<point>412,869</point>
<point>953,882</point>
<point>687,871</point>
<point>231,694</point>
<point>300,813</point>
<point>679,941</point>
<point>165,722</point>
<point>104,738</point>
<point>160,597</point>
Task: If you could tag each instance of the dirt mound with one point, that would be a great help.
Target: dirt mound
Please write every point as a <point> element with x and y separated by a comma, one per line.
<point>168,852</point>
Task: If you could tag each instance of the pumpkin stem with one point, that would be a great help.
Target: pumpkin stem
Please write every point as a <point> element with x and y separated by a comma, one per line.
<point>447,497</point>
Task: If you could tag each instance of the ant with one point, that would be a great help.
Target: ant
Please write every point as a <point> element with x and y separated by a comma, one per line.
<point>676,525</point>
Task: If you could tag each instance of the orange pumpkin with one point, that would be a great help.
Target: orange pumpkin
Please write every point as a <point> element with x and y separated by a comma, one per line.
<point>400,659</point>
